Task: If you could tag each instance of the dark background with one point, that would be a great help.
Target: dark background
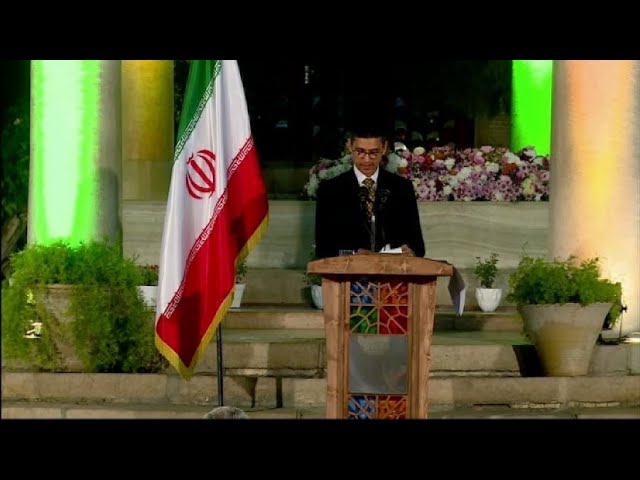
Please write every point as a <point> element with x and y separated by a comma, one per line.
<point>302,109</point>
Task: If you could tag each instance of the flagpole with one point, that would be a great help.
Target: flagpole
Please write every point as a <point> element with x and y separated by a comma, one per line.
<point>220,369</point>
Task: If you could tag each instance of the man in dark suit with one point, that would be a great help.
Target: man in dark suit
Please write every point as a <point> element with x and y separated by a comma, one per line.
<point>349,217</point>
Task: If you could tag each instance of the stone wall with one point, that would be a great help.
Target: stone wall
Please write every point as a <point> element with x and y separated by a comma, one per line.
<point>454,231</point>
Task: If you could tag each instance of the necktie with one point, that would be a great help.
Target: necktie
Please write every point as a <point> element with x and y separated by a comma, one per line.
<point>370,184</point>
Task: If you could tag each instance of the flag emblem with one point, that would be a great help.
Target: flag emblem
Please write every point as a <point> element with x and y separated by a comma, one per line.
<point>201,174</point>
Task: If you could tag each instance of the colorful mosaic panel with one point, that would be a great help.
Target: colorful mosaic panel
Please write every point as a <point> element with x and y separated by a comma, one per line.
<point>379,308</point>
<point>383,407</point>
<point>363,320</point>
<point>393,320</point>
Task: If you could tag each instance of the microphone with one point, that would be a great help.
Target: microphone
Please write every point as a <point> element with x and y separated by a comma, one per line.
<point>383,198</point>
<point>363,194</point>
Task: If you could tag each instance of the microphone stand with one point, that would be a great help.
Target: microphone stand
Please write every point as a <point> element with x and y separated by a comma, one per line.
<point>373,232</point>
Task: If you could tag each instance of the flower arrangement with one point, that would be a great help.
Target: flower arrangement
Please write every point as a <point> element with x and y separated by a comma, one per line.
<point>323,170</point>
<point>445,174</point>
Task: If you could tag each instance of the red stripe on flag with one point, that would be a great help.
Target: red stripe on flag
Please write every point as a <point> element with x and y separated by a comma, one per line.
<point>211,275</point>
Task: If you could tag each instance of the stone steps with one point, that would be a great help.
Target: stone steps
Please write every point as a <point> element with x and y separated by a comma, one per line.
<point>54,410</point>
<point>269,392</point>
<point>289,342</point>
<point>301,353</point>
<point>258,316</point>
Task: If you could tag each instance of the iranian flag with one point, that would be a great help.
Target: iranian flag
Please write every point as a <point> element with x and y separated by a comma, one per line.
<point>216,212</point>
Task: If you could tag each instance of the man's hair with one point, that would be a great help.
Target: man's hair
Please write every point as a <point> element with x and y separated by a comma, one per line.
<point>368,130</point>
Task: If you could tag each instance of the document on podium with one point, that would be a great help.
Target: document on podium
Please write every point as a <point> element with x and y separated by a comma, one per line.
<point>387,249</point>
<point>457,291</point>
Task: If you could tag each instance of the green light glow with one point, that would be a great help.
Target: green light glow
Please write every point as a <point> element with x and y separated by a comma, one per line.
<point>531,105</point>
<point>65,108</point>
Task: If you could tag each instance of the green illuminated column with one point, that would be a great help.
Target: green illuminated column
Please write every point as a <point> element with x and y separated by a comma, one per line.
<point>76,151</point>
<point>531,105</point>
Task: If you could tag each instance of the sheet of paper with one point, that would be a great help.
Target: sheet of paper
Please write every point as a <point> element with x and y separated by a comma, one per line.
<point>457,291</point>
<point>387,249</point>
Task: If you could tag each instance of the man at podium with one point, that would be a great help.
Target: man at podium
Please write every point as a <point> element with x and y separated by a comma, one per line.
<point>367,209</point>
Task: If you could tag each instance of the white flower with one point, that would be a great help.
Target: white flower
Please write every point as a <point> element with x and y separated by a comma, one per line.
<point>449,163</point>
<point>447,190</point>
<point>492,167</point>
<point>419,150</point>
<point>513,158</point>
<point>527,186</point>
<point>395,162</point>
<point>312,186</point>
<point>464,173</point>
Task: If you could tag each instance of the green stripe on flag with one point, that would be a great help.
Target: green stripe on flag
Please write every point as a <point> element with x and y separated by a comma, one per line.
<point>202,77</point>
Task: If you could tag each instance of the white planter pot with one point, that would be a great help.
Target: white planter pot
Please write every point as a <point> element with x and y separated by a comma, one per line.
<point>149,295</point>
<point>316,295</point>
<point>488,298</point>
<point>237,296</point>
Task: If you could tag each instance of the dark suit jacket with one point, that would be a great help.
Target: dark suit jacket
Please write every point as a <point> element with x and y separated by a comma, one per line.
<point>341,223</point>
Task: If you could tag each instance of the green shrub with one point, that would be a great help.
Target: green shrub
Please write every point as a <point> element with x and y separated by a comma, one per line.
<point>538,281</point>
<point>112,330</point>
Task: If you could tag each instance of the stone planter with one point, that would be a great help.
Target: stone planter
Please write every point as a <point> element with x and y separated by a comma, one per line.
<point>564,335</point>
<point>57,301</point>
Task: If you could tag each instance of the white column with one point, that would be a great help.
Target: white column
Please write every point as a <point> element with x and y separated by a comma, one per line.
<point>595,170</point>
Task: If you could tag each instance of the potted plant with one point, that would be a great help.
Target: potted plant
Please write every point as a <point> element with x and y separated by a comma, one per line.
<point>77,309</point>
<point>564,304</point>
<point>314,281</point>
<point>486,269</point>
<point>241,272</point>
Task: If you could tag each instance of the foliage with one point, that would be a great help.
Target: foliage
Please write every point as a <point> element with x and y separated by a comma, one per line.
<point>14,143</point>
<point>148,274</point>
<point>241,270</point>
<point>537,281</point>
<point>486,270</point>
<point>15,161</point>
<point>112,330</point>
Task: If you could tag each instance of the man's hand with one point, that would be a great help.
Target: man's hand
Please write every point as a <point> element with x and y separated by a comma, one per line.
<point>407,251</point>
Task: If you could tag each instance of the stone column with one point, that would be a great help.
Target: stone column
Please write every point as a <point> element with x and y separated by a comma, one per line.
<point>147,126</point>
<point>595,170</point>
<point>76,152</point>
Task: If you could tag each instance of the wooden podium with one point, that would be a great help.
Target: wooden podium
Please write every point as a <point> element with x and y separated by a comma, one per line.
<point>378,315</point>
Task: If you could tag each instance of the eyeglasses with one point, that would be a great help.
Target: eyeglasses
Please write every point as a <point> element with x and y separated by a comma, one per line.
<point>361,153</point>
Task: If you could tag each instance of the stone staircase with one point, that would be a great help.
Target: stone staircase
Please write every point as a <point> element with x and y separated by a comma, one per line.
<point>274,367</point>
<point>274,349</point>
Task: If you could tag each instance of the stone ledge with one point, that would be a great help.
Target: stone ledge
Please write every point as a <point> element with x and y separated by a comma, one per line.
<point>296,392</point>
